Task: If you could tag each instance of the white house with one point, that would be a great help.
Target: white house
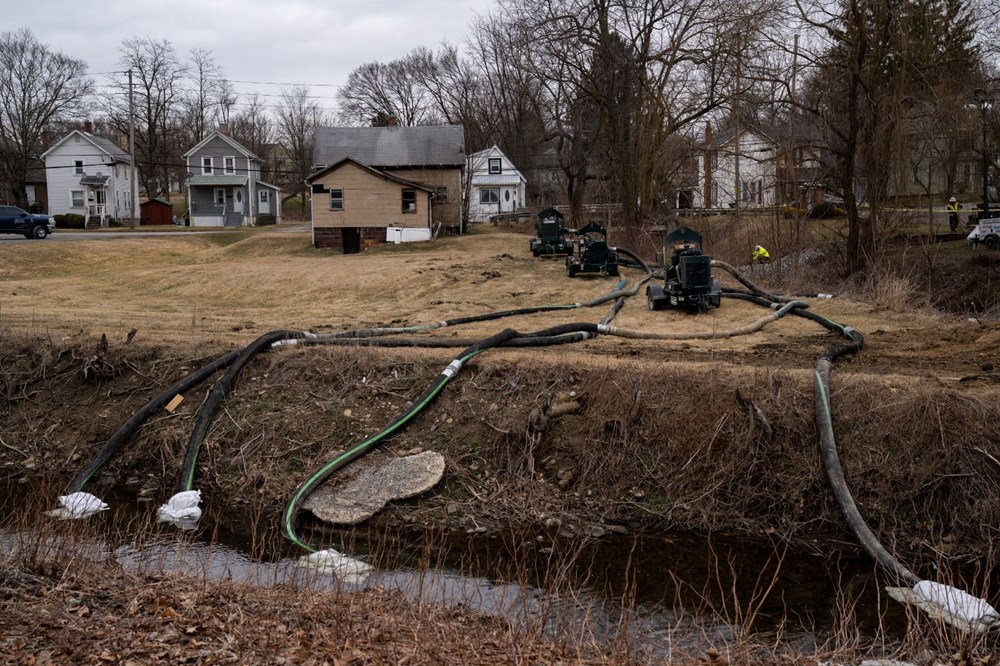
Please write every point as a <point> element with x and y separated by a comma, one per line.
<point>757,167</point>
<point>496,186</point>
<point>91,176</point>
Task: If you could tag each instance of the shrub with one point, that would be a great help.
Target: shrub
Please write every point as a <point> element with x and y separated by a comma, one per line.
<point>790,212</point>
<point>69,221</point>
<point>825,210</point>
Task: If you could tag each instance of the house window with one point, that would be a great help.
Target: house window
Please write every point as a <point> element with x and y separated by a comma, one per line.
<point>220,196</point>
<point>206,166</point>
<point>230,164</point>
<point>114,170</point>
<point>441,194</point>
<point>489,195</point>
<point>264,196</point>
<point>495,165</point>
<point>78,167</point>
<point>76,198</point>
<point>409,201</point>
<point>336,199</point>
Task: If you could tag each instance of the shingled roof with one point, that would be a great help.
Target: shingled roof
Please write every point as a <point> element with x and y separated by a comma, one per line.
<point>391,147</point>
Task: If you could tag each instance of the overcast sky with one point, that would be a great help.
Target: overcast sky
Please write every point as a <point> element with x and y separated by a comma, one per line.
<point>279,41</point>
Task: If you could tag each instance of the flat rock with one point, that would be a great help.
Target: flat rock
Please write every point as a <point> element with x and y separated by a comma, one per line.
<point>356,499</point>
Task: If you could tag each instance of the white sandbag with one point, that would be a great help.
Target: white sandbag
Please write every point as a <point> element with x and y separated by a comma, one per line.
<point>958,604</point>
<point>182,507</point>
<point>346,569</point>
<point>77,505</point>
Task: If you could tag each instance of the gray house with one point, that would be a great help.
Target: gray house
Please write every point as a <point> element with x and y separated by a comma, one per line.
<point>224,185</point>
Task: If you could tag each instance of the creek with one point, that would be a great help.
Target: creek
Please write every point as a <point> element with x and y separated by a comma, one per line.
<point>670,591</point>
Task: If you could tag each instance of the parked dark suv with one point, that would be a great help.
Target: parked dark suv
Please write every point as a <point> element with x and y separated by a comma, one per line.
<point>13,220</point>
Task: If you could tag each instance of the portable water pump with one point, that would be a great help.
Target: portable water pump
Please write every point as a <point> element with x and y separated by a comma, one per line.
<point>688,280</point>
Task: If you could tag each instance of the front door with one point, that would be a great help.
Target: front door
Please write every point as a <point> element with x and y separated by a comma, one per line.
<point>102,202</point>
<point>507,200</point>
<point>265,202</point>
<point>238,200</point>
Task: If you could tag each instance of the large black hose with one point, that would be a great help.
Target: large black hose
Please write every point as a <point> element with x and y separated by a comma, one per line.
<point>316,479</point>
<point>831,461</point>
<point>828,444</point>
<point>217,395</point>
<point>135,421</point>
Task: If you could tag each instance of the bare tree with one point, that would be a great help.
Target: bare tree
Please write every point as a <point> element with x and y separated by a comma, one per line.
<point>374,91</point>
<point>158,82</point>
<point>254,128</point>
<point>209,91</point>
<point>297,118</point>
<point>37,88</point>
<point>649,68</point>
<point>875,62</point>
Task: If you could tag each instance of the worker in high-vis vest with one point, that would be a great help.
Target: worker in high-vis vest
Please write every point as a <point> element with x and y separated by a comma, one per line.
<point>953,208</point>
<point>760,255</point>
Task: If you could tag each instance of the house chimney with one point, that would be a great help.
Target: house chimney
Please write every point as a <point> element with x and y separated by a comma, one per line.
<point>224,128</point>
<point>88,127</point>
<point>46,140</point>
<point>392,121</point>
<point>708,133</point>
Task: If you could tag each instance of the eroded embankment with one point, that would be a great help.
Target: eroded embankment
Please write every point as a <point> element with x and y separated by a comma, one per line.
<point>707,447</point>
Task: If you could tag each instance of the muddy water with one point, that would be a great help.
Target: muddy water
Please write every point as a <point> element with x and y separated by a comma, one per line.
<point>675,591</point>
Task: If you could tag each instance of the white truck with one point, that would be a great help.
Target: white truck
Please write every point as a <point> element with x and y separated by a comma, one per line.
<point>986,232</point>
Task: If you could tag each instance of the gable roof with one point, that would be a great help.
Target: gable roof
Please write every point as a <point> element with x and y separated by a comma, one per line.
<point>391,147</point>
<point>373,171</point>
<point>105,145</point>
<point>507,176</point>
<point>236,145</point>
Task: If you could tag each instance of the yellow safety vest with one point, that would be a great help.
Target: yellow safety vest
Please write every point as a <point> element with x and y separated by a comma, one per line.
<point>761,254</point>
<point>953,207</point>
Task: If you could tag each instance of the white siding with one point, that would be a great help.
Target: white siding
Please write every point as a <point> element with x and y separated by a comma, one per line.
<point>509,184</point>
<point>63,179</point>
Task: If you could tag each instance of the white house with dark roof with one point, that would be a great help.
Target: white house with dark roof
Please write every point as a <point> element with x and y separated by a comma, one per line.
<point>373,184</point>
<point>496,185</point>
<point>761,166</point>
<point>224,185</point>
<point>91,176</point>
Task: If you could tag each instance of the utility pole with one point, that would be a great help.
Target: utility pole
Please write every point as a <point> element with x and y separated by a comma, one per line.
<point>131,152</point>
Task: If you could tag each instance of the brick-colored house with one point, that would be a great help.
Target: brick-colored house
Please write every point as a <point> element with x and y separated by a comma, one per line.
<point>379,184</point>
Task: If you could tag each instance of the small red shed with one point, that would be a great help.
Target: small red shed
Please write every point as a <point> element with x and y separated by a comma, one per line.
<point>156,211</point>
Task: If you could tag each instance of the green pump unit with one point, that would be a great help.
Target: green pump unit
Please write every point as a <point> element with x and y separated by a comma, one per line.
<point>551,235</point>
<point>592,253</point>
<point>688,280</point>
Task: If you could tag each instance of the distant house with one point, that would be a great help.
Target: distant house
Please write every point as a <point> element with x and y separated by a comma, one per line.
<point>378,184</point>
<point>224,185</point>
<point>91,176</point>
<point>496,186</point>
<point>759,167</point>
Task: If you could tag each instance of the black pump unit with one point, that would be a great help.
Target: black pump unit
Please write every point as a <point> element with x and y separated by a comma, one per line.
<point>688,280</point>
<point>593,254</point>
<point>551,238</point>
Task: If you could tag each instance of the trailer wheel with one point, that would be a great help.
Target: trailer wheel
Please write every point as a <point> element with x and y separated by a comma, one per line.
<point>992,242</point>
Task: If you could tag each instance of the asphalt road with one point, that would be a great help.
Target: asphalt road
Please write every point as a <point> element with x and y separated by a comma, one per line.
<point>11,239</point>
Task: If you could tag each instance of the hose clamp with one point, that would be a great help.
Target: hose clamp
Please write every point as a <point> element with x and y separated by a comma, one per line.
<point>604,328</point>
<point>452,368</point>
